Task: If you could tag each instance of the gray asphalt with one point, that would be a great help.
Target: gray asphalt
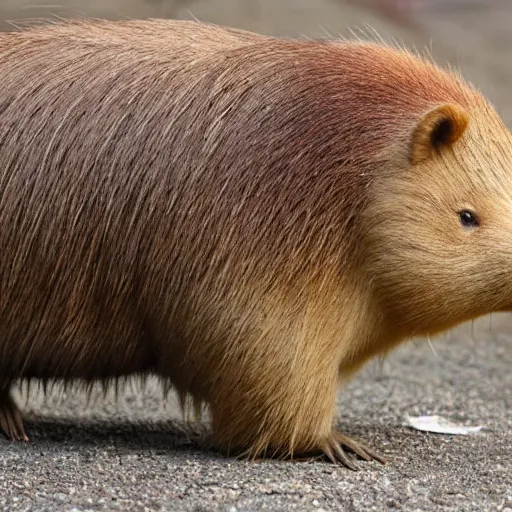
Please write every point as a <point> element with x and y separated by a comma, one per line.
<point>135,454</point>
<point>129,455</point>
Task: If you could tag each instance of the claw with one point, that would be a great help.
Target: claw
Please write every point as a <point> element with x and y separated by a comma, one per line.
<point>336,448</point>
<point>343,457</point>
<point>11,421</point>
<point>359,449</point>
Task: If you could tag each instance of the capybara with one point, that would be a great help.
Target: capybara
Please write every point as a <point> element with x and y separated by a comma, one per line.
<point>250,218</point>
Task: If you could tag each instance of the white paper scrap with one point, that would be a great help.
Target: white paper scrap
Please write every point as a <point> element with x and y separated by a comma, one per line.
<point>440,425</point>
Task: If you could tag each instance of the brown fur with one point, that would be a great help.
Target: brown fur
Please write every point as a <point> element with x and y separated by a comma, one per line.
<point>251,218</point>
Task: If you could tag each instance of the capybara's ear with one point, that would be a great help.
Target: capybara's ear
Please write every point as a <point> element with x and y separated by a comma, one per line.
<point>437,128</point>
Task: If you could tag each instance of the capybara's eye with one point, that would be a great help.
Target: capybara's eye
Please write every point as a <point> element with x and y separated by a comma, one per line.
<point>468,219</point>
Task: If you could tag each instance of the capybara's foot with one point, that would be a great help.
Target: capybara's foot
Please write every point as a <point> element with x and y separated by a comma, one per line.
<point>337,447</point>
<point>11,421</point>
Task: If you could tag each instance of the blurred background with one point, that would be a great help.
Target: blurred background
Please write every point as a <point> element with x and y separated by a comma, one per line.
<point>473,35</point>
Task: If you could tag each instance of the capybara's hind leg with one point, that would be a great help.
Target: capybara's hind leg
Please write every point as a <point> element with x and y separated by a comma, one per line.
<point>11,421</point>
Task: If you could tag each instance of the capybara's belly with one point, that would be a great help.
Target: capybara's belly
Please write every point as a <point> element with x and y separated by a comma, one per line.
<point>66,312</point>
<point>39,346</point>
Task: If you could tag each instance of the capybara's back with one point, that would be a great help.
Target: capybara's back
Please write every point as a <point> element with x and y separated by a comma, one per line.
<point>98,124</point>
<point>250,218</point>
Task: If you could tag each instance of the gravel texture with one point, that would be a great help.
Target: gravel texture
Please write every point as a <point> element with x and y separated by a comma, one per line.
<point>127,454</point>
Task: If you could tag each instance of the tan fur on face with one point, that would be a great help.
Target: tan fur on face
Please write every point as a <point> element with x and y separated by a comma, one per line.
<point>449,274</point>
<point>235,213</point>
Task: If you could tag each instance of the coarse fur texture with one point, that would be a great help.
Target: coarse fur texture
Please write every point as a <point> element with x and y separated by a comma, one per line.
<point>250,218</point>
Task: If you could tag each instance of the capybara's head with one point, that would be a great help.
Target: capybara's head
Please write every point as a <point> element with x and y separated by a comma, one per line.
<point>440,219</point>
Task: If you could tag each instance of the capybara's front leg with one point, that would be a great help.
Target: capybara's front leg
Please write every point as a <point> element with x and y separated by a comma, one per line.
<point>11,421</point>
<point>282,416</point>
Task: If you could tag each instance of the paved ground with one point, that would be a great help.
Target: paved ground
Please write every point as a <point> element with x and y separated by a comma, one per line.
<point>129,456</point>
<point>134,454</point>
